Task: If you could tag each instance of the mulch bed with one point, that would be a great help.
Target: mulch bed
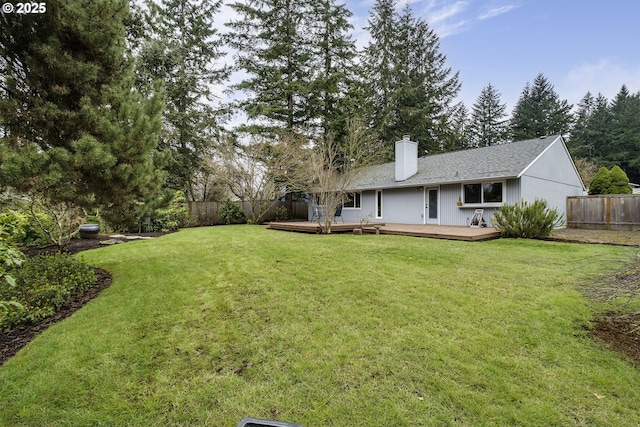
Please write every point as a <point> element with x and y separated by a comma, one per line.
<point>12,341</point>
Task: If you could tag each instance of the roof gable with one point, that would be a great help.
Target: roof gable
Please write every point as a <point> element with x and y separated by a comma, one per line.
<point>502,161</point>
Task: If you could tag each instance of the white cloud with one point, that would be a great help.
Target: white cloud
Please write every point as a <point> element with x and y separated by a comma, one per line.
<point>606,76</point>
<point>491,13</point>
<point>446,19</point>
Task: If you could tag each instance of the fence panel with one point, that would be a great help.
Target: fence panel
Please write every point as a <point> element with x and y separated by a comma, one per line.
<point>207,213</point>
<point>604,212</point>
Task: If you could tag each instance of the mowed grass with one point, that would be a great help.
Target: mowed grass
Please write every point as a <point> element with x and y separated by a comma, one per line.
<point>208,325</point>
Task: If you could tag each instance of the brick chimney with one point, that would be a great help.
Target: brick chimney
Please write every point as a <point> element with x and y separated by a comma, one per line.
<point>406,158</point>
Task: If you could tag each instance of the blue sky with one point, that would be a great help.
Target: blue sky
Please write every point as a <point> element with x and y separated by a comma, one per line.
<point>579,45</point>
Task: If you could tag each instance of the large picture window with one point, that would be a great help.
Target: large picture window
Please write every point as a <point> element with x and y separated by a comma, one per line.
<point>483,193</point>
<point>352,201</point>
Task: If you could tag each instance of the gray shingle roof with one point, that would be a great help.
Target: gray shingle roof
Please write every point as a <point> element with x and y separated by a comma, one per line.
<point>486,163</point>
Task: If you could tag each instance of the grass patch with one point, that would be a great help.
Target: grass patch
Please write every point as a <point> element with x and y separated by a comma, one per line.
<point>208,325</point>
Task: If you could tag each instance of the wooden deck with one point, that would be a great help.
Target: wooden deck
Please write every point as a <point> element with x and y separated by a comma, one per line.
<point>416,230</point>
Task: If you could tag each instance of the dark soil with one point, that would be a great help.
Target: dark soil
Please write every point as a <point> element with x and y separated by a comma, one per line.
<point>620,331</point>
<point>12,341</point>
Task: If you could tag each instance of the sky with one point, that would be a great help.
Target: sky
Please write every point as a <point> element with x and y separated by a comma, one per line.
<point>579,45</point>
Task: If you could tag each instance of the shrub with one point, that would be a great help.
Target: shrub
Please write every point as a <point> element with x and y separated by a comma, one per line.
<point>25,230</point>
<point>601,182</point>
<point>43,284</point>
<point>231,213</point>
<point>10,256</point>
<point>619,181</point>
<point>281,213</point>
<point>527,220</point>
<point>174,216</point>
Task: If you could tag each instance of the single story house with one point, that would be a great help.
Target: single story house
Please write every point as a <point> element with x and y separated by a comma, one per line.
<point>447,188</point>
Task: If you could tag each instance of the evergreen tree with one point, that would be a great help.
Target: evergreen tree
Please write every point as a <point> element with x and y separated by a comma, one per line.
<point>539,112</point>
<point>598,135</point>
<point>410,88</point>
<point>182,52</point>
<point>619,181</point>
<point>75,131</point>
<point>460,129</point>
<point>378,64</point>
<point>333,80</point>
<point>488,124</point>
<point>601,182</point>
<point>272,40</point>
<point>580,143</point>
<point>624,148</point>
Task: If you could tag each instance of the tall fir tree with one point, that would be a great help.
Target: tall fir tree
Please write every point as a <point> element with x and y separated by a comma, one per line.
<point>579,142</point>
<point>333,61</point>
<point>598,133</point>
<point>272,41</point>
<point>624,148</point>
<point>182,52</point>
<point>539,111</point>
<point>378,64</point>
<point>410,88</point>
<point>75,131</point>
<point>488,119</point>
<point>460,129</point>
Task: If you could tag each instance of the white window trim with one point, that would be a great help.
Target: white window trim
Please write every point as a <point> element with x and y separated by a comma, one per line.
<point>358,208</point>
<point>379,201</point>
<point>482,203</point>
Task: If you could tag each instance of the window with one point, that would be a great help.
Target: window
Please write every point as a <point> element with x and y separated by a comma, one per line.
<point>352,201</point>
<point>485,193</point>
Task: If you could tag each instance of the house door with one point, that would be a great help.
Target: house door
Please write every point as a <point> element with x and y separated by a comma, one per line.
<point>431,206</point>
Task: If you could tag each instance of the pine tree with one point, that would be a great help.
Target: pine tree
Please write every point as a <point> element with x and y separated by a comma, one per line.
<point>75,131</point>
<point>540,111</point>
<point>272,40</point>
<point>488,124</point>
<point>181,52</point>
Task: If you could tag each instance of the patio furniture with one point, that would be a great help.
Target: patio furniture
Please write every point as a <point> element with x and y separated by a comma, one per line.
<point>317,212</point>
<point>338,213</point>
<point>477,220</point>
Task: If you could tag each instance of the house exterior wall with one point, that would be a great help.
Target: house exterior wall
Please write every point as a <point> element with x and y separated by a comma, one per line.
<point>452,214</point>
<point>401,205</point>
<point>407,205</point>
<point>553,178</point>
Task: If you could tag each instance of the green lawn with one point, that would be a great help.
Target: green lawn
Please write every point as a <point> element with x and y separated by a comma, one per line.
<point>208,325</point>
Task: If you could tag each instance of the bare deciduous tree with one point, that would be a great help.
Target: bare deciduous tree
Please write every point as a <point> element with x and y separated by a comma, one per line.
<point>263,171</point>
<point>334,167</point>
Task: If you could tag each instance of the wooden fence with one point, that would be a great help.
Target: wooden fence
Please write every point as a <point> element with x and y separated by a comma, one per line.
<point>604,212</point>
<point>207,213</point>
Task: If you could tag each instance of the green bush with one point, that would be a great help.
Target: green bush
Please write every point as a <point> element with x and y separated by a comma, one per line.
<point>619,181</point>
<point>527,220</point>
<point>25,229</point>
<point>42,285</point>
<point>10,256</point>
<point>231,213</point>
<point>174,216</point>
<point>614,181</point>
